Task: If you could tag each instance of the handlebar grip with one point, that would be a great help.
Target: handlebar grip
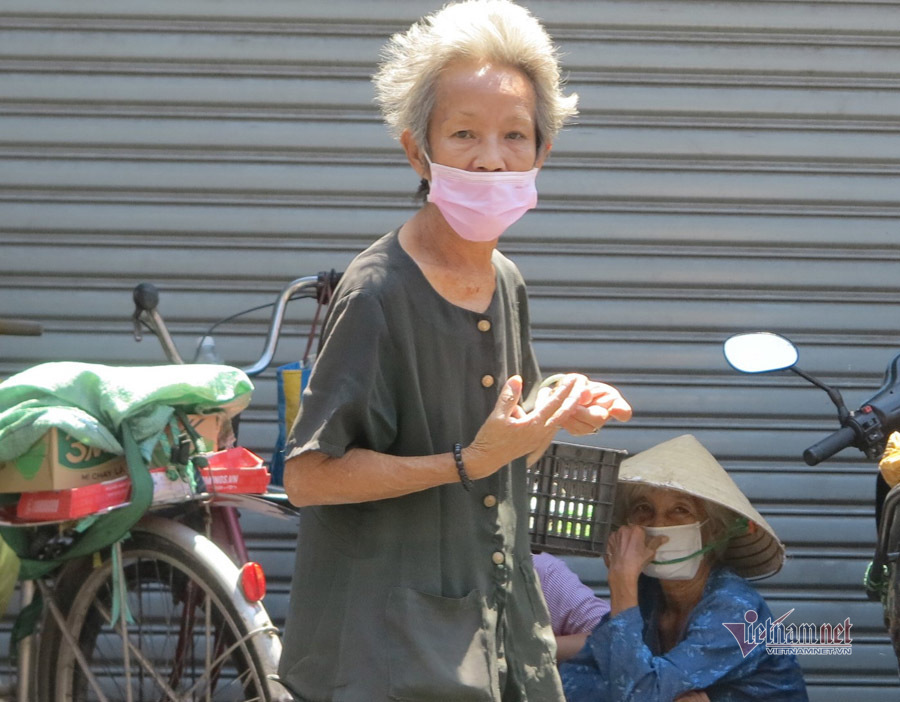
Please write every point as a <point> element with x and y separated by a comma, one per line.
<point>830,445</point>
<point>146,297</point>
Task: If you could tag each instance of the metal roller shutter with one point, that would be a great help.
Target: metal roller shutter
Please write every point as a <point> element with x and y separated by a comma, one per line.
<point>735,166</point>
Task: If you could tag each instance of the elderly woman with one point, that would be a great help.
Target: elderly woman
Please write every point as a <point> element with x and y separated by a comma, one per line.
<point>414,578</point>
<point>688,528</point>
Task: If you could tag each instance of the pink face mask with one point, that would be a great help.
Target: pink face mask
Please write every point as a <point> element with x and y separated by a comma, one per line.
<point>480,205</point>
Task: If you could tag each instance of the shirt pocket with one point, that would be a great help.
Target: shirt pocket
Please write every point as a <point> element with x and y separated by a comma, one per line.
<point>439,648</point>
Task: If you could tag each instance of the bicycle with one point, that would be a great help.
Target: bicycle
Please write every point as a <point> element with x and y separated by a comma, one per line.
<point>199,629</point>
<point>18,327</point>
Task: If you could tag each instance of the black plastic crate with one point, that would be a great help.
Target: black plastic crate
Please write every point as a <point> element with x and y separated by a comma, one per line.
<point>572,489</point>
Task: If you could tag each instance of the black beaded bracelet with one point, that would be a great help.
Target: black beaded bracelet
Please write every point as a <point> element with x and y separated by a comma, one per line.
<point>461,467</point>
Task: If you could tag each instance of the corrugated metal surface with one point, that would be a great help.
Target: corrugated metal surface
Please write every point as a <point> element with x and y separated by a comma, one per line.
<point>735,166</point>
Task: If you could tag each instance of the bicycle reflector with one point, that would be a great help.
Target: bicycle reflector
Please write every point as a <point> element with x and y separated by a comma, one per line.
<point>253,581</point>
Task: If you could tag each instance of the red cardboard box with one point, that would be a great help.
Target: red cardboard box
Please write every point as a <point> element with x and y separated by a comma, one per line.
<point>53,505</point>
<point>74,503</point>
<point>235,470</point>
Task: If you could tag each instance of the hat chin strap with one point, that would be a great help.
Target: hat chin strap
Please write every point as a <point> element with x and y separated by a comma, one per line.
<point>740,526</point>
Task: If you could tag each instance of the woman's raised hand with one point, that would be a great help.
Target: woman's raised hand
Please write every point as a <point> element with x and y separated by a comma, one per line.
<point>594,404</point>
<point>509,432</point>
<point>628,550</point>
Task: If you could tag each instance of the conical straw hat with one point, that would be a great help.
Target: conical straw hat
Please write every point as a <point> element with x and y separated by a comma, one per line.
<point>684,464</point>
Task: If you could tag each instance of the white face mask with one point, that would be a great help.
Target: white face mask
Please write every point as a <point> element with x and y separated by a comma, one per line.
<point>480,205</point>
<point>685,545</point>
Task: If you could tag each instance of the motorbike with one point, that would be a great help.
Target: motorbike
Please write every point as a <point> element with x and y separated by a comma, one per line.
<point>867,429</point>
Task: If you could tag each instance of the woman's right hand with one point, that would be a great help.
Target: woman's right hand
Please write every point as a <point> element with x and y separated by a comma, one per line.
<point>510,432</point>
<point>628,550</point>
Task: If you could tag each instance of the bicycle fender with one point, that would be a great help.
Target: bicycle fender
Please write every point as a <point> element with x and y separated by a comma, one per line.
<point>255,615</point>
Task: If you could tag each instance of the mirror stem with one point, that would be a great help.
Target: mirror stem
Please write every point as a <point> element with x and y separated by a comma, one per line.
<point>833,393</point>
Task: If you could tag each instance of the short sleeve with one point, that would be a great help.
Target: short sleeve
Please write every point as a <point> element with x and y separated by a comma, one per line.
<point>573,606</point>
<point>531,373</point>
<point>349,401</point>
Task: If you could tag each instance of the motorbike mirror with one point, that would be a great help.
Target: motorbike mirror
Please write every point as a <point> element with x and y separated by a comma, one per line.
<point>759,352</point>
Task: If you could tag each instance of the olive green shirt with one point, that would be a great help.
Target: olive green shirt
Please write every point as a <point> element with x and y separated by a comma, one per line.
<point>431,596</point>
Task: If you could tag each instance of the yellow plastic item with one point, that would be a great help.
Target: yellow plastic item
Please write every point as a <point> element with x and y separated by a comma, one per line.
<point>9,574</point>
<point>292,379</point>
<point>890,461</point>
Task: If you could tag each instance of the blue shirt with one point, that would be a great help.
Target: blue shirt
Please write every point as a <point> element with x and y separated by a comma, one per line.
<point>622,659</point>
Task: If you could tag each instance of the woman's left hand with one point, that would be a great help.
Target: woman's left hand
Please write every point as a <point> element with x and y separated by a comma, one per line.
<point>595,403</point>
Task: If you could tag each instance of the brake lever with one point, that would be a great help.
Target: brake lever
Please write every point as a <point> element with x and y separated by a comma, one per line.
<point>138,332</point>
<point>146,299</point>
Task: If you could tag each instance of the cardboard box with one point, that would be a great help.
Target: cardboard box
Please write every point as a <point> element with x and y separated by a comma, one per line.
<point>74,503</point>
<point>234,470</point>
<point>59,462</point>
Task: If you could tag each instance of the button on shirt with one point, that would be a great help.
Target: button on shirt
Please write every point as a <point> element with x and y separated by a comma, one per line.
<point>379,586</point>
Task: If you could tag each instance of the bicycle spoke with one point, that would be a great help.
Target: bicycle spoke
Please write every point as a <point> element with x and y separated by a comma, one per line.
<point>146,665</point>
<point>119,578</point>
<point>230,649</point>
<point>60,621</point>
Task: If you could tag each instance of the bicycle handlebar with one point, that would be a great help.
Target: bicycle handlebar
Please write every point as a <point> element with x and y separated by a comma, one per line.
<point>146,298</point>
<point>19,327</point>
<point>301,287</point>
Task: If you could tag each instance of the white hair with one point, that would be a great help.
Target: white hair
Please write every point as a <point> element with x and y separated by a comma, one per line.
<point>495,31</point>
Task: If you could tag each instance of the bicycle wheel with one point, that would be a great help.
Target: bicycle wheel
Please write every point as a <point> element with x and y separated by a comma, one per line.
<point>194,637</point>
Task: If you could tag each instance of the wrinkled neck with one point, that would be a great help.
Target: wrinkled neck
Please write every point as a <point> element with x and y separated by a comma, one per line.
<point>428,234</point>
<point>681,596</point>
